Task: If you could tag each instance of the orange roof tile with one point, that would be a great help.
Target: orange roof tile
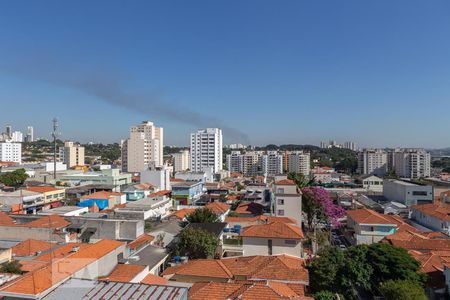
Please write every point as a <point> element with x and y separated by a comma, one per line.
<point>123,273</point>
<point>273,230</point>
<point>368,216</point>
<point>6,220</point>
<point>279,267</point>
<point>182,213</point>
<point>42,189</point>
<point>159,193</point>
<point>285,182</point>
<point>30,247</point>
<point>249,208</point>
<point>437,210</point>
<point>154,280</point>
<point>218,208</point>
<point>32,265</point>
<point>50,221</point>
<point>141,240</point>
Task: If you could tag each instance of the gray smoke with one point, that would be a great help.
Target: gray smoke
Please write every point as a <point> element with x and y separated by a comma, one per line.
<point>108,87</point>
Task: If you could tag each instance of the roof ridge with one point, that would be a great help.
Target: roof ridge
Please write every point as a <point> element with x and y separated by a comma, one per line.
<point>222,265</point>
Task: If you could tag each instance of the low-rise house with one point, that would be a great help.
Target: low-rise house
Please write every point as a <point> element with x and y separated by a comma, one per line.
<point>249,209</point>
<point>435,216</point>
<point>138,191</point>
<point>272,239</point>
<point>113,198</point>
<point>280,268</point>
<point>187,192</point>
<point>83,261</point>
<point>181,214</point>
<point>109,177</point>
<point>28,201</point>
<point>258,220</point>
<point>373,183</point>
<point>156,206</point>
<point>52,195</point>
<point>219,208</point>
<point>365,226</point>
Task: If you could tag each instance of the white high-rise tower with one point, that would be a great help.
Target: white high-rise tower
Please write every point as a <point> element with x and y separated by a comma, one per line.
<point>206,150</point>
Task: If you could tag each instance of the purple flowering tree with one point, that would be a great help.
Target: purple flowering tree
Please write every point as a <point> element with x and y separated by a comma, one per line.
<point>318,206</point>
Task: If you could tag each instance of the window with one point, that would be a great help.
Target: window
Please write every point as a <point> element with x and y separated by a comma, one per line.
<point>281,212</point>
<point>280,190</point>
<point>419,193</point>
<point>280,201</point>
<point>269,247</point>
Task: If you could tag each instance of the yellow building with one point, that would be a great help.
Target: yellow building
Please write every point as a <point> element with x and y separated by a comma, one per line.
<point>51,194</point>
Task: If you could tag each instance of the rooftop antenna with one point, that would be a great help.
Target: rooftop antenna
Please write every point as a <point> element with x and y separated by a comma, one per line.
<point>54,135</point>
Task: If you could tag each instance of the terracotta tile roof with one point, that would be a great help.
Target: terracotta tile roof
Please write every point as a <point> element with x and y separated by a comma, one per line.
<point>159,193</point>
<point>30,247</point>
<point>51,221</point>
<point>140,241</point>
<point>176,180</point>
<point>249,208</point>
<point>6,220</point>
<point>40,280</point>
<point>277,230</point>
<point>31,265</point>
<point>285,182</point>
<point>144,186</point>
<point>433,264</point>
<point>182,213</point>
<point>260,219</point>
<point>123,273</point>
<point>42,189</point>
<point>60,252</point>
<point>235,174</point>
<point>154,280</point>
<point>101,195</point>
<point>279,267</point>
<point>368,216</point>
<point>414,240</point>
<point>438,210</point>
<point>243,290</point>
<point>218,208</point>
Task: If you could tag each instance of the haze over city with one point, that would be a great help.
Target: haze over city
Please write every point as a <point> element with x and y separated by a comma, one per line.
<point>298,72</point>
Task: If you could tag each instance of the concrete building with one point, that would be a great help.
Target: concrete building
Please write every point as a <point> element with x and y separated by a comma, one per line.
<point>299,162</point>
<point>11,152</point>
<point>272,163</point>
<point>30,134</point>
<point>350,146</point>
<point>73,154</point>
<point>249,164</point>
<point>288,200</point>
<point>435,216</point>
<point>111,177</point>
<point>145,145</point>
<point>412,163</point>
<point>407,193</point>
<point>158,176</point>
<point>206,150</point>
<point>181,161</point>
<point>373,162</point>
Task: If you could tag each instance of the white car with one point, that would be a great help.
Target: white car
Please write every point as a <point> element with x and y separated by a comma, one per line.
<point>342,247</point>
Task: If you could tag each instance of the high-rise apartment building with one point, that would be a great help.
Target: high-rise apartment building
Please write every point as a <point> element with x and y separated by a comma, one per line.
<point>181,161</point>
<point>72,154</point>
<point>299,162</point>
<point>411,163</point>
<point>11,152</point>
<point>145,145</point>
<point>206,150</point>
<point>272,163</point>
<point>249,163</point>
<point>17,137</point>
<point>30,134</point>
<point>350,146</point>
<point>372,161</point>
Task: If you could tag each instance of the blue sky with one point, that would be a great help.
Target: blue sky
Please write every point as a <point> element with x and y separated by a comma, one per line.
<point>375,72</point>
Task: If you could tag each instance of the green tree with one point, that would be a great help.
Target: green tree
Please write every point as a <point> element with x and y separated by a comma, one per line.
<point>196,243</point>
<point>392,263</point>
<point>201,215</point>
<point>325,295</point>
<point>402,290</point>
<point>324,271</point>
<point>13,267</point>
<point>300,180</point>
<point>15,178</point>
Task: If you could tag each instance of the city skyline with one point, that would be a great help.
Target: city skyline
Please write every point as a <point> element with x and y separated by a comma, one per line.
<point>298,73</point>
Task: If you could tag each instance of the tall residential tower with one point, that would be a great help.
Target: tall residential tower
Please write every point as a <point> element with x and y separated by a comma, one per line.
<point>206,150</point>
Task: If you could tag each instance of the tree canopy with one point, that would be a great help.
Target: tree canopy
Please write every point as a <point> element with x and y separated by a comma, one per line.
<point>362,269</point>
<point>201,215</point>
<point>196,243</point>
<point>402,290</point>
<point>13,267</point>
<point>15,178</point>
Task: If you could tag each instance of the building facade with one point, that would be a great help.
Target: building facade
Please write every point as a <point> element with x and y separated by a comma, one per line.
<point>181,161</point>
<point>144,145</point>
<point>407,193</point>
<point>11,152</point>
<point>206,150</point>
<point>372,162</point>
<point>272,163</point>
<point>288,200</point>
<point>412,163</point>
<point>73,154</point>
<point>299,162</point>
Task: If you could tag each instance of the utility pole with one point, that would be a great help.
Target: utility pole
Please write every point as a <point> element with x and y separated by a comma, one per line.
<point>54,134</point>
